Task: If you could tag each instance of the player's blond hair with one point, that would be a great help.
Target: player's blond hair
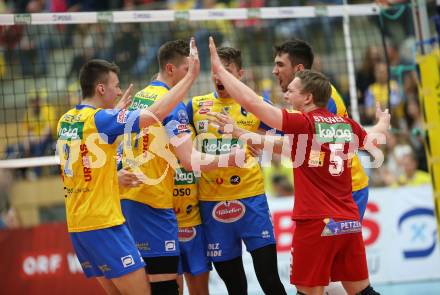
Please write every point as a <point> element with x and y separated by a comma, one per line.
<point>317,84</point>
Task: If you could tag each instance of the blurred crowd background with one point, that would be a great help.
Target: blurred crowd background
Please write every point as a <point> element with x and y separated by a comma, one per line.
<point>39,67</point>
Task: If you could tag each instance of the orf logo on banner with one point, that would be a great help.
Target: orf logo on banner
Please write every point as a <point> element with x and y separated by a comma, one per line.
<point>419,230</point>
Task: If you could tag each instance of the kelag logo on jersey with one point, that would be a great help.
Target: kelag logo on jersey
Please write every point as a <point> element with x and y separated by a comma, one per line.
<point>71,131</point>
<point>418,228</point>
<point>219,146</point>
<point>142,103</point>
<point>186,234</point>
<point>228,211</point>
<point>183,177</point>
<point>333,133</point>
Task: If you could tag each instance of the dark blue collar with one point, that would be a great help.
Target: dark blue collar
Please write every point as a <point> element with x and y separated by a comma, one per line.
<point>82,106</point>
<point>159,83</point>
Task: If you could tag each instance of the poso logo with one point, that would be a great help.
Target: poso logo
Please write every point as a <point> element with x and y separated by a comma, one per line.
<point>418,229</point>
<point>219,146</point>
<point>186,234</point>
<point>333,132</point>
<point>228,211</point>
<point>71,131</point>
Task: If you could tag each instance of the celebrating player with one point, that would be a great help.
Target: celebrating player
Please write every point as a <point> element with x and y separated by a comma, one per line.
<point>232,200</point>
<point>328,243</point>
<point>296,55</point>
<point>86,145</point>
<point>148,207</point>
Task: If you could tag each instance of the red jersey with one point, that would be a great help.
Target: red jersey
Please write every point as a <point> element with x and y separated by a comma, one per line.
<point>323,145</point>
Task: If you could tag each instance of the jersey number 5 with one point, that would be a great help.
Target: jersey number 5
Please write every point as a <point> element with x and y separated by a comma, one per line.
<point>336,166</point>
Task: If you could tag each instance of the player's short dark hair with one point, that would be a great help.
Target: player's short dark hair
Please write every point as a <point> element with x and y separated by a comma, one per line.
<point>231,55</point>
<point>93,72</point>
<point>299,52</point>
<point>172,52</point>
<point>317,84</point>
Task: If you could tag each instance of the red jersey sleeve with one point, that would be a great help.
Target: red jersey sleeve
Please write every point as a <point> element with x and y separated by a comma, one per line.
<point>358,131</point>
<point>295,122</point>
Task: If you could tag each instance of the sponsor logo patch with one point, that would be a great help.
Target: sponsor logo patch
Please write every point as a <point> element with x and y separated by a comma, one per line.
<point>127,261</point>
<point>316,158</point>
<point>265,234</point>
<point>202,126</point>
<point>204,111</point>
<point>218,146</point>
<point>122,117</point>
<point>142,102</point>
<point>170,245</point>
<point>182,127</point>
<point>333,228</point>
<point>182,116</point>
<point>71,131</point>
<point>333,133</point>
<point>208,103</point>
<point>243,111</point>
<point>182,177</point>
<point>235,179</point>
<point>228,211</point>
<point>186,234</point>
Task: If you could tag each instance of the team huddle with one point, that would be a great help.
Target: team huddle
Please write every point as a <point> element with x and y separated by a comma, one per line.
<point>156,189</point>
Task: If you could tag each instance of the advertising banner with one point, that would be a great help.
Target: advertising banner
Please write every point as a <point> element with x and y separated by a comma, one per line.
<point>399,229</point>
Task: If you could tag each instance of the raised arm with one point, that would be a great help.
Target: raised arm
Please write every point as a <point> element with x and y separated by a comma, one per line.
<point>193,160</point>
<point>245,96</point>
<point>160,109</point>
<point>274,142</point>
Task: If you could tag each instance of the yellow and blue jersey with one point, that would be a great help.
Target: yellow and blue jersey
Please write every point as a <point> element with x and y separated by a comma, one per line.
<point>185,191</point>
<point>359,178</point>
<point>87,150</point>
<point>230,183</point>
<point>150,153</point>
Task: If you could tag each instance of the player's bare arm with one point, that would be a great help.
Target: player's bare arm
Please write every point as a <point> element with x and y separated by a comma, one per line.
<point>127,178</point>
<point>193,160</point>
<point>160,109</point>
<point>245,96</point>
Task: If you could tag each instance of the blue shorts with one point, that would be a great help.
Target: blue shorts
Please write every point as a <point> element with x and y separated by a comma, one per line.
<point>108,252</point>
<point>227,223</point>
<point>154,230</point>
<point>193,257</point>
<point>361,199</point>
